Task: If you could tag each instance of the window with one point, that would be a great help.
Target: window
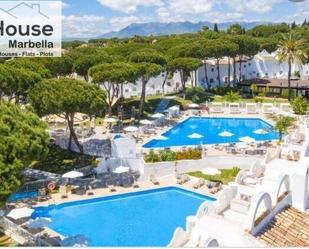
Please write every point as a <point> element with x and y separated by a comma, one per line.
<point>249,64</point>
<point>211,80</point>
<point>212,70</point>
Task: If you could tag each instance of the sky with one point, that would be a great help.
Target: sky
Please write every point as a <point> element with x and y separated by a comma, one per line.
<point>92,18</point>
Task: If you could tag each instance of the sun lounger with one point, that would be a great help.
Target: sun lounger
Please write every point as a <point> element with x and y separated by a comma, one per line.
<point>183,179</point>
<point>95,184</point>
<point>285,107</point>
<point>153,179</point>
<point>268,108</point>
<point>79,190</point>
<point>112,188</point>
<point>199,184</point>
<point>234,108</point>
<point>251,108</point>
<point>216,107</point>
<point>217,187</point>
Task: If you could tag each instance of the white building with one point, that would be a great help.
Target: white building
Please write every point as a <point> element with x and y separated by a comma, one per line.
<point>262,65</point>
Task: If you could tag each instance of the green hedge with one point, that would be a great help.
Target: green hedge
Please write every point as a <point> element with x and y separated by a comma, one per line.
<point>171,156</point>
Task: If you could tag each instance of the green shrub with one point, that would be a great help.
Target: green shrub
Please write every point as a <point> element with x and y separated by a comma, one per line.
<point>299,105</point>
<point>171,156</point>
<point>285,93</point>
<point>222,90</point>
<point>60,161</point>
<point>168,155</point>
<point>232,97</point>
<point>152,157</point>
<point>197,95</point>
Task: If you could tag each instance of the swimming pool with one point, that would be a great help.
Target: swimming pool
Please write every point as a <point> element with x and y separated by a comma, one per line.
<point>210,129</point>
<point>144,218</point>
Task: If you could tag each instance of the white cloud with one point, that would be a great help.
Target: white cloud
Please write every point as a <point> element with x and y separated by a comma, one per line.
<point>257,6</point>
<point>85,26</point>
<point>129,6</point>
<point>180,10</point>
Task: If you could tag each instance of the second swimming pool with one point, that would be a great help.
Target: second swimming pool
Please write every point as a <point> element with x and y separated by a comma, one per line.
<point>202,131</point>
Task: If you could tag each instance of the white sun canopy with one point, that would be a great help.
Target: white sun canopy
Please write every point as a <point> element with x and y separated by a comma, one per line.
<point>19,213</point>
<point>73,174</point>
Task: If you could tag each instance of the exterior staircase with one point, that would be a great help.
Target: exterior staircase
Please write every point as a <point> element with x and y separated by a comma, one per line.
<point>162,105</point>
<point>290,228</point>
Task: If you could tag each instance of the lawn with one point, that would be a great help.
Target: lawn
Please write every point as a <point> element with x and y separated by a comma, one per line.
<point>61,161</point>
<point>227,175</point>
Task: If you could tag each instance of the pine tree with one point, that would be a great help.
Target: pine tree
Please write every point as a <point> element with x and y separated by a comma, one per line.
<point>216,29</point>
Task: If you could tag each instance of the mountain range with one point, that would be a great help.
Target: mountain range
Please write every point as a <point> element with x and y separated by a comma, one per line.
<point>158,28</point>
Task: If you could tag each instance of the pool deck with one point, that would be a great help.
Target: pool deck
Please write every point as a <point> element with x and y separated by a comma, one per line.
<point>166,181</point>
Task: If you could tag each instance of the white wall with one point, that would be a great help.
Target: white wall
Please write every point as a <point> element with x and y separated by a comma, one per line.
<point>263,65</point>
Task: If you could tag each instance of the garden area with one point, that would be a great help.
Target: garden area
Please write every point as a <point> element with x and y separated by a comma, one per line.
<point>60,161</point>
<point>226,176</point>
<point>151,104</point>
<point>171,156</point>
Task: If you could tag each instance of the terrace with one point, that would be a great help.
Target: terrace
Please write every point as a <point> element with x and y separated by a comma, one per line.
<point>125,151</point>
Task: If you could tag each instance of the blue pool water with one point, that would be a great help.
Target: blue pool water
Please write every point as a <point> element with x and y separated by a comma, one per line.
<point>210,128</point>
<point>22,195</point>
<point>145,218</point>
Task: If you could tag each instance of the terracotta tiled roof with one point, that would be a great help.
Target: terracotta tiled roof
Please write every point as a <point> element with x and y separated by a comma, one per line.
<point>290,228</point>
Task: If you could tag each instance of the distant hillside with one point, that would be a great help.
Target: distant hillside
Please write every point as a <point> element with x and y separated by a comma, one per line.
<point>157,28</point>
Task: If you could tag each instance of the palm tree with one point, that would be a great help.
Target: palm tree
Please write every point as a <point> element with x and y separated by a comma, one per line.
<point>292,49</point>
<point>282,124</point>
